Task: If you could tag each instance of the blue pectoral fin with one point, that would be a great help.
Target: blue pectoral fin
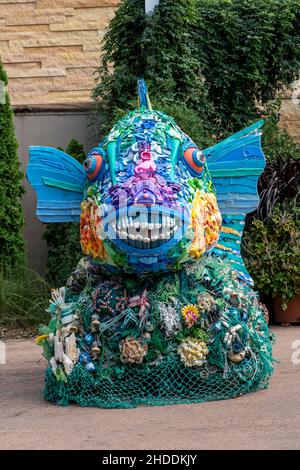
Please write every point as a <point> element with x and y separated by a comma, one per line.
<point>235,166</point>
<point>58,180</point>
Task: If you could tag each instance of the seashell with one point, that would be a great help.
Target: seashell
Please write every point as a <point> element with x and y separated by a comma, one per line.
<point>53,364</point>
<point>237,357</point>
<point>68,364</point>
<point>58,349</point>
<point>51,337</point>
<point>71,350</point>
<point>73,328</point>
<point>95,348</point>
<point>147,335</point>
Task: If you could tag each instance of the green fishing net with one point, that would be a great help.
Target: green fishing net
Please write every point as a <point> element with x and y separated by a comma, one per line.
<point>193,336</point>
<point>166,384</point>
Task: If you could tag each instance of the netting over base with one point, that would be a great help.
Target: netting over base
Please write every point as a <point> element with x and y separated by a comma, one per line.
<point>193,336</point>
<point>165,384</point>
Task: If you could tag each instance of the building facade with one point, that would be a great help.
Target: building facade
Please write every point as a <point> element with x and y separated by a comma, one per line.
<point>50,50</point>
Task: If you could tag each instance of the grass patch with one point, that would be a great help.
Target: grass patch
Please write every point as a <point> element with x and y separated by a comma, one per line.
<point>24,296</point>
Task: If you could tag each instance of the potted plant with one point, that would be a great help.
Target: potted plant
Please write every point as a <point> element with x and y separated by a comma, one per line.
<point>271,250</point>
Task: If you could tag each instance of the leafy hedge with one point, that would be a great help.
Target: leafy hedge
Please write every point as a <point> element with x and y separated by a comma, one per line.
<point>249,50</point>
<point>12,245</point>
<point>224,59</point>
<point>272,251</point>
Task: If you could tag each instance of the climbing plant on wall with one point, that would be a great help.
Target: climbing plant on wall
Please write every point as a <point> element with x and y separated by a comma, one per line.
<point>248,51</point>
<point>12,245</point>
<point>226,60</point>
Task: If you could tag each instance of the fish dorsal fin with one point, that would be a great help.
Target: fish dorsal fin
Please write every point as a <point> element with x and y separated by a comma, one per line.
<point>235,164</point>
<point>144,101</point>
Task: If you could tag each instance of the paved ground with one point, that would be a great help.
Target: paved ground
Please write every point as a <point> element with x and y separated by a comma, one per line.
<point>269,419</point>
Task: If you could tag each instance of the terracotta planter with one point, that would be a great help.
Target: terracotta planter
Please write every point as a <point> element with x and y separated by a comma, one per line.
<point>291,314</point>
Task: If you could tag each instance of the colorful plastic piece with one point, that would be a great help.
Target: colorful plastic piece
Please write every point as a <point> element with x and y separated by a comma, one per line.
<point>162,292</point>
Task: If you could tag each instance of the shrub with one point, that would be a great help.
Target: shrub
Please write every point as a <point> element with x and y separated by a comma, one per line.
<point>156,47</point>
<point>12,245</point>
<point>248,51</point>
<point>63,239</point>
<point>226,60</point>
<point>272,252</point>
<point>24,296</point>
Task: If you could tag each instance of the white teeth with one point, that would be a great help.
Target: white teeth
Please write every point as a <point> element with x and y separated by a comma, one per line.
<point>140,230</point>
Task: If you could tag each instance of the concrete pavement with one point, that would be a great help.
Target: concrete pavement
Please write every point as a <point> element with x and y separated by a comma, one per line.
<point>268,419</point>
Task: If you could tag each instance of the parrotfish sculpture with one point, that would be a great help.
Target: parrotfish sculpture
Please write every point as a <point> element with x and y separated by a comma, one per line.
<point>160,309</point>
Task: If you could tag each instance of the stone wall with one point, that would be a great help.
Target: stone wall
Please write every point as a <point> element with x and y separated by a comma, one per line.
<point>50,49</point>
<point>290,111</point>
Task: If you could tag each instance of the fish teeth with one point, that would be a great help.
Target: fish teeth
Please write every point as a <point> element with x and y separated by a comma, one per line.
<point>131,236</point>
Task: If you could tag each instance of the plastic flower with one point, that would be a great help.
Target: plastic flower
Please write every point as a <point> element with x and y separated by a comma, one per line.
<point>193,352</point>
<point>132,350</point>
<point>206,302</point>
<point>190,314</point>
<point>40,339</point>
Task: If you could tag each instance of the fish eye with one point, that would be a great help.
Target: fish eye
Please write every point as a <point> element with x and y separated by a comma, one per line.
<point>94,166</point>
<point>194,160</point>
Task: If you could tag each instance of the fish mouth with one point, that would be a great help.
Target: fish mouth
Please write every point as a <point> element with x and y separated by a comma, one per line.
<point>148,228</point>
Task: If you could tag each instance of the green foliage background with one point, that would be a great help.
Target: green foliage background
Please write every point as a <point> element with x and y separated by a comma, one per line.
<point>216,66</point>
<point>226,60</point>
<point>12,252</point>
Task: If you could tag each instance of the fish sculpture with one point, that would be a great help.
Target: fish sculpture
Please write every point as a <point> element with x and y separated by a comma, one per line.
<point>162,288</point>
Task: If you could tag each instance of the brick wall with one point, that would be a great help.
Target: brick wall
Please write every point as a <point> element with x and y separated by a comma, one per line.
<point>50,48</point>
